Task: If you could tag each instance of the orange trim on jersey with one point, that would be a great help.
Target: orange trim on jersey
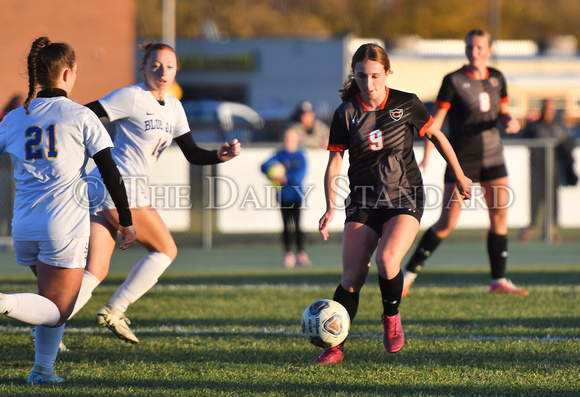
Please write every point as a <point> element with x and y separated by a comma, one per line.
<point>473,76</point>
<point>505,100</point>
<point>443,104</point>
<point>336,148</point>
<point>426,126</point>
<point>382,105</point>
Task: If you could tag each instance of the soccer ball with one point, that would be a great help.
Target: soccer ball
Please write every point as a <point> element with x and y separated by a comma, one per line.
<point>276,171</point>
<point>325,323</point>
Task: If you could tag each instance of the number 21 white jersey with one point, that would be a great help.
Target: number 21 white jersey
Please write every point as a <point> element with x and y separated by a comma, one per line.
<point>49,149</point>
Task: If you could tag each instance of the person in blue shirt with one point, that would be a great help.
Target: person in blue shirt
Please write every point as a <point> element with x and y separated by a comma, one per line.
<point>290,195</point>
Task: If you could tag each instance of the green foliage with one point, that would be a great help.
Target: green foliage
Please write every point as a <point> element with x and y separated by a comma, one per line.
<point>519,19</point>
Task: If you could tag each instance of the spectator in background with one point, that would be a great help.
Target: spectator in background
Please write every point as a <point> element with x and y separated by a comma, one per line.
<point>287,169</point>
<point>313,132</point>
<point>6,176</point>
<point>548,126</point>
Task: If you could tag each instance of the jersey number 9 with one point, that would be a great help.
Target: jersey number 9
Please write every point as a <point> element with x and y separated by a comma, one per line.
<point>376,140</point>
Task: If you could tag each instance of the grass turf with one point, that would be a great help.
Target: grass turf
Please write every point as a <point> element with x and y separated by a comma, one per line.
<point>230,326</point>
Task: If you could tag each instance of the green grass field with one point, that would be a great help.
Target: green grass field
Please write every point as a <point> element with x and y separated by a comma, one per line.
<point>227,323</point>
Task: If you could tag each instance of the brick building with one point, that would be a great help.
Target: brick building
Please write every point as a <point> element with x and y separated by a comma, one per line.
<point>102,33</point>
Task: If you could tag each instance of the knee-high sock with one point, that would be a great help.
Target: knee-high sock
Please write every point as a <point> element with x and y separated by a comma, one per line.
<point>141,279</point>
<point>47,343</point>
<point>497,249</point>
<point>32,309</point>
<point>429,243</point>
<point>391,291</point>
<point>348,299</point>
<point>90,282</point>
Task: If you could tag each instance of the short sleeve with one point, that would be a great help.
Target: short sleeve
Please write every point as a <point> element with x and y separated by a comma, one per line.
<point>421,118</point>
<point>181,123</point>
<point>503,94</point>
<point>120,103</point>
<point>2,139</point>
<point>96,137</point>
<point>338,137</point>
<point>446,93</point>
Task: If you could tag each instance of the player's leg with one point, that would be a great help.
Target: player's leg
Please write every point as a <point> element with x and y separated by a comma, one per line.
<point>302,257</point>
<point>101,247</point>
<point>289,259</point>
<point>450,212</point>
<point>358,244</point>
<point>397,237</point>
<point>60,286</point>
<point>155,237</point>
<point>497,197</point>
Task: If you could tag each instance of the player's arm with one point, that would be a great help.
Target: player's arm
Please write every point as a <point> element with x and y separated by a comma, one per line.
<point>330,185</point>
<point>439,140</point>
<point>199,156</point>
<point>512,125</point>
<point>97,109</point>
<point>438,118</point>
<point>116,187</point>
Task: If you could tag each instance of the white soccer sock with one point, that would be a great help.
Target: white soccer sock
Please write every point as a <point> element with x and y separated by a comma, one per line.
<point>47,343</point>
<point>90,282</point>
<point>141,279</point>
<point>31,308</point>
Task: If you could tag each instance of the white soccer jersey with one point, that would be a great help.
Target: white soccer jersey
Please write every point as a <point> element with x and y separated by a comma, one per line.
<point>49,149</point>
<point>144,127</point>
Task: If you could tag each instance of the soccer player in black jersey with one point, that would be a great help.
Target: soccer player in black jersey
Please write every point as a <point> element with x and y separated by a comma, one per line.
<point>475,97</point>
<point>376,124</point>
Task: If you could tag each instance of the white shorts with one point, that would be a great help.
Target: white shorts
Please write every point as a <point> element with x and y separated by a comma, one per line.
<point>69,254</point>
<point>100,199</point>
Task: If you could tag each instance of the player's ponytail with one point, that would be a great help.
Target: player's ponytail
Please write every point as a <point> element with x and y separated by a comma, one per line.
<point>46,61</point>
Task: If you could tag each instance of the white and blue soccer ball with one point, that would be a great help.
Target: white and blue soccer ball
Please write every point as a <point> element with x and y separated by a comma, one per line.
<point>325,323</point>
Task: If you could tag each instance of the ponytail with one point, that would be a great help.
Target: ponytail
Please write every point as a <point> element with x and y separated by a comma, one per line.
<point>36,47</point>
<point>46,61</point>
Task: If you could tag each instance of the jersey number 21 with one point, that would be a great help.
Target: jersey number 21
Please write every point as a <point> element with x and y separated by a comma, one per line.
<point>33,152</point>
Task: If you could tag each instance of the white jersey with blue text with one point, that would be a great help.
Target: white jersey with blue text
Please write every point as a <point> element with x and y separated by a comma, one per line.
<point>145,127</point>
<point>49,149</point>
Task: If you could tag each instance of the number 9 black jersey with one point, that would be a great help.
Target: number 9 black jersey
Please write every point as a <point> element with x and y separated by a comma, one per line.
<point>383,171</point>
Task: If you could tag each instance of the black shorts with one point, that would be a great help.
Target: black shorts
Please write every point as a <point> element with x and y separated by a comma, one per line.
<point>376,217</point>
<point>477,174</point>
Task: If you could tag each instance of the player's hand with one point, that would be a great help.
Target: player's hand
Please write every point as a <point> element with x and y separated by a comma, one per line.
<point>324,222</point>
<point>464,187</point>
<point>512,126</point>
<point>229,150</point>
<point>128,234</point>
<point>424,164</point>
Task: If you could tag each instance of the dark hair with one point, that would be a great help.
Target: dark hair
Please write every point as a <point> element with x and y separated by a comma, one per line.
<point>46,61</point>
<point>480,33</point>
<point>371,52</point>
<point>150,48</point>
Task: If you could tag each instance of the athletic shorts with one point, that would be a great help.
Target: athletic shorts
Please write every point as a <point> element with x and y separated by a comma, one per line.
<point>100,199</point>
<point>376,217</point>
<point>477,173</point>
<point>69,254</point>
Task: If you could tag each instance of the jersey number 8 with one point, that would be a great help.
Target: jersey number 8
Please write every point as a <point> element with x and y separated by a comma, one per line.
<point>33,152</point>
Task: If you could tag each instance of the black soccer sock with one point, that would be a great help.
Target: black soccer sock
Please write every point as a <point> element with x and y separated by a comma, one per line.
<point>348,299</point>
<point>429,243</point>
<point>497,248</point>
<point>391,291</point>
